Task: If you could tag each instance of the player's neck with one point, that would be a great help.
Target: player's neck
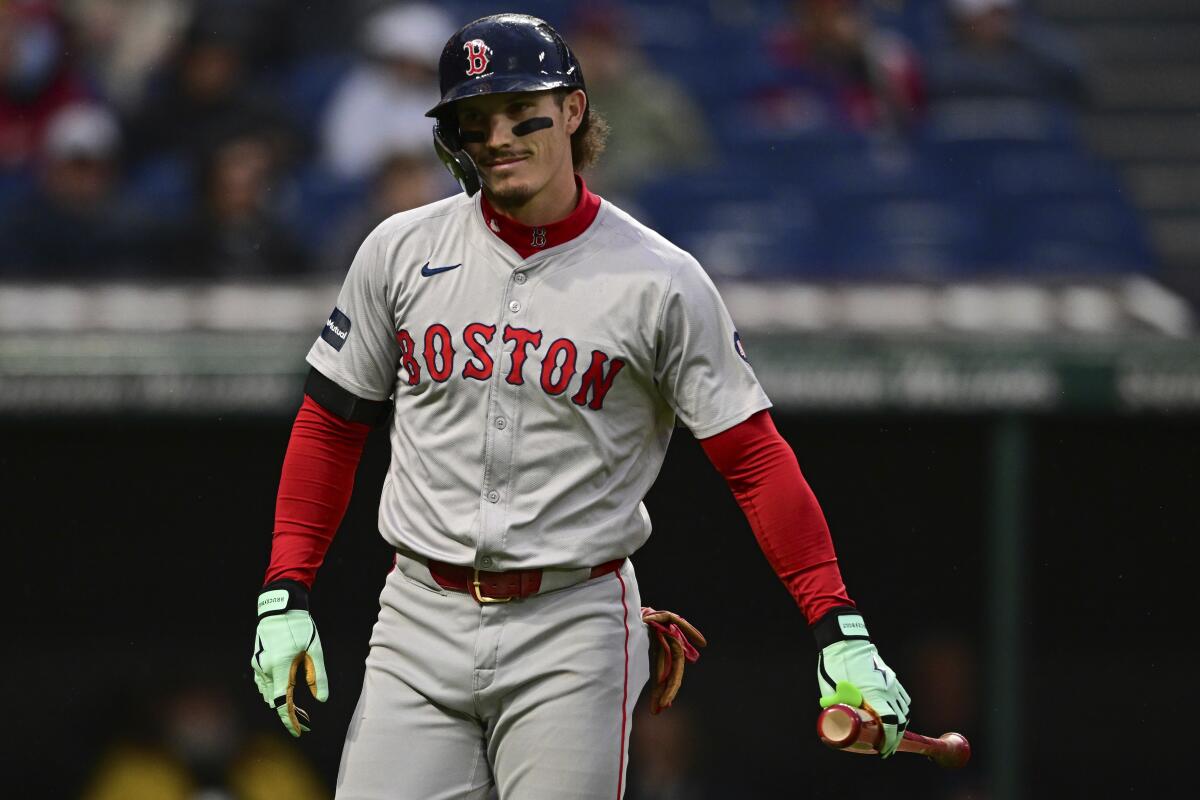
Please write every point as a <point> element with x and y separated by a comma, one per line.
<point>556,200</point>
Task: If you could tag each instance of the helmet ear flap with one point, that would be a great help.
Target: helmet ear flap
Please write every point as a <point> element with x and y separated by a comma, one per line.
<point>448,144</point>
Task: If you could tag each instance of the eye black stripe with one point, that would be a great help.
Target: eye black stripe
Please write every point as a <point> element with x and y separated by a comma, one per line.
<point>526,127</point>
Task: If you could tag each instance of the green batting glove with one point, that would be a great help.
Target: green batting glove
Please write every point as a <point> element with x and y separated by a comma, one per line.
<point>287,642</point>
<point>849,670</point>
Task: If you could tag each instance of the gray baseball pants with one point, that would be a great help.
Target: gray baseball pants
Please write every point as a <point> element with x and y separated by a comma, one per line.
<point>532,699</point>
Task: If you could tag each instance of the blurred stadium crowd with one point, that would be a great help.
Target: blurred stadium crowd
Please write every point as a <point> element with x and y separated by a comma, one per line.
<point>246,139</point>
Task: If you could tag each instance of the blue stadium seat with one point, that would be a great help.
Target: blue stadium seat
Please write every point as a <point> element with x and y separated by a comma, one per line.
<point>875,172</point>
<point>1001,121</point>
<point>716,65</point>
<point>1071,236</point>
<point>1049,173</point>
<point>317,202</point>
<point>917,20</point>
<point>668,23</point>
<point>464,11</point>
<point>736,224</point>
<point>904,238</point>
<point>165,184</point>
<point>752,254</point>
<point>1024,169</point>
<point>14,185</point>
<point>784,157</point>
<point>308,86</point>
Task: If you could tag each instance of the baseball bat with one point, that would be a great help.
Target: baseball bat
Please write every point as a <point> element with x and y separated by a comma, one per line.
<point>856,730</point>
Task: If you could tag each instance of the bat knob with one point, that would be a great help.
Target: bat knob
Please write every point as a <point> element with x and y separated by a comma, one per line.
<point>956,754</point>
<point>839,726</point>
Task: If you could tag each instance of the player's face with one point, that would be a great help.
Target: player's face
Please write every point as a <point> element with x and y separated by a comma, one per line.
<point>515,167</point>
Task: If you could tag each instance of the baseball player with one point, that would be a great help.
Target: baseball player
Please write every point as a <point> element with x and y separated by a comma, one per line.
<point>530,347</point>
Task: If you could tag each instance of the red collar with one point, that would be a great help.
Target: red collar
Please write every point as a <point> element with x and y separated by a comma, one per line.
<point>527,240</point>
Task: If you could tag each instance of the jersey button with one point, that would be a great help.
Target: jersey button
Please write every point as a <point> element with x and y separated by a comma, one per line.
<point>485,562</point>
<point>501,423</point>
<point>514,306</point>
<point>493,496</point>
<point>519,278</point>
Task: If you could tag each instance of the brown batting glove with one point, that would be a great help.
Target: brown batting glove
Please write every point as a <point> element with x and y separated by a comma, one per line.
<point>673,643</point>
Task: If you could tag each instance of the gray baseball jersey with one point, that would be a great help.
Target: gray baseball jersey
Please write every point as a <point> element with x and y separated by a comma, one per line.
<point>534,398</point>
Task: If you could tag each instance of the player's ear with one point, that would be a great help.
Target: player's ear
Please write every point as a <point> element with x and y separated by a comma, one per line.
<point>573,106</point>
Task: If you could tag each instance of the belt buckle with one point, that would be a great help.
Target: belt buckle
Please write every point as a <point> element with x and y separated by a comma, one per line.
<point>477,592</point>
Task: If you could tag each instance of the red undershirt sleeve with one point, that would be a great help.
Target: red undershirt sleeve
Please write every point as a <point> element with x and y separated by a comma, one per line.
<point>314,490</point>
<point>761,470</point>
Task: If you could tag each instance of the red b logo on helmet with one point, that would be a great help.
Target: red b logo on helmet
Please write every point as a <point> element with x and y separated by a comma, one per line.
<point>477,57</point>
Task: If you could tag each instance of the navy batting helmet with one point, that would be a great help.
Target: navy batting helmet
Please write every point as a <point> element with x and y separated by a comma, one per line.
<point>492,55</point>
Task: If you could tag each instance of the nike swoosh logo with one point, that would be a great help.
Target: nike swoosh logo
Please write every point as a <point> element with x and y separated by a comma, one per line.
<point>427,271</point>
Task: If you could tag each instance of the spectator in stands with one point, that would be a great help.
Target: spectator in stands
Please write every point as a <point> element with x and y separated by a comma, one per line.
<point>75,224</point>
<point>405,180</point>
<point>275,31</point>
<point>205,95</point>
<point>835,69</point>
<point>37,78</point>
<point>655,126</point>
<point>124,41</point>
<point>995,51</point>
<point>198,748</point>
<point>236,231</point>
<point>380,108</point>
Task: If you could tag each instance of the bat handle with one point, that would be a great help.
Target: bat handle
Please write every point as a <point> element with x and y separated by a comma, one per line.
<point>950,750</point>
<point>856,730</point>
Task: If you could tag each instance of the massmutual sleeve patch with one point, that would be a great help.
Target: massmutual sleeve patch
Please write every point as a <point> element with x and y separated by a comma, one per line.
<point>739,348</point>
<point>337,328</point>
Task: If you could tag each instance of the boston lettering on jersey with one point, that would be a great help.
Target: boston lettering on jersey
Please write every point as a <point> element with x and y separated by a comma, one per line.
<point>434,354</point>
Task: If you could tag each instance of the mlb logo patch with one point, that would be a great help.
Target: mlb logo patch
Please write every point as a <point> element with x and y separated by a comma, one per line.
<point>337,328</point>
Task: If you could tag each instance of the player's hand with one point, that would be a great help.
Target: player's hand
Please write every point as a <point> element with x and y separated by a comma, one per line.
<point>287,643</point>
<point>851,665</point>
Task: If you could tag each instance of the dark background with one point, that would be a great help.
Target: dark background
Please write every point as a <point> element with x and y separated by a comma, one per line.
<point>140,544</point>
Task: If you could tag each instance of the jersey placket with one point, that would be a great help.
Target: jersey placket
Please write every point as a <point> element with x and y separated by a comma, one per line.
<point>500,443</point>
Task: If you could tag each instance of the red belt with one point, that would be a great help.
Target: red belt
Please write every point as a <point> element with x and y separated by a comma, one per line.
<point>499,587</point>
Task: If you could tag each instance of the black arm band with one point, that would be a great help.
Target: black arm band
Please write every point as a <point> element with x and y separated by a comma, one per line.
<point>297,596</point>
<point>830,628</point>
<point>348,406</point>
